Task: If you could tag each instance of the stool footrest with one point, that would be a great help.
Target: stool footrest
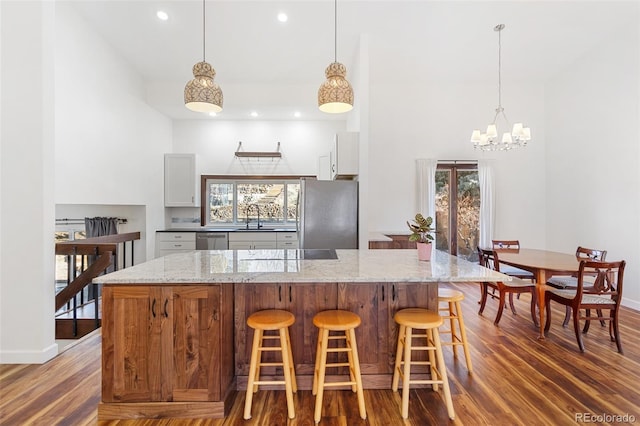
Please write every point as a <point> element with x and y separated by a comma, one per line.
<point>270,349</point>
<point>326,385</point>
<point>337,364</point>
<point>271,364</point>
<point>269,382</point>
<point>334,350</point>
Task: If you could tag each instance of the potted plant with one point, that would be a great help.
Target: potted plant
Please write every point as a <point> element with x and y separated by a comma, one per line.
<point>421,233</point>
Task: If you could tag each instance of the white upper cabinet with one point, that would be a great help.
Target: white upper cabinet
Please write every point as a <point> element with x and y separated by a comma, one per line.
<point>324,167</point>
<point>180,181</point>
<point>344,155</point>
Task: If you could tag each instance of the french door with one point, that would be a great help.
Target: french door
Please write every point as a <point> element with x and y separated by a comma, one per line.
<point>458,209</point>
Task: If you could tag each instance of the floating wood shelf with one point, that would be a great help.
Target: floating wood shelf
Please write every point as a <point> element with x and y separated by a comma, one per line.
<point>258,154</point>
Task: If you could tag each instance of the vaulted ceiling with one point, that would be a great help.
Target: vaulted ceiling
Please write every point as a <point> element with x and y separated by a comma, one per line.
<point>275,68</point>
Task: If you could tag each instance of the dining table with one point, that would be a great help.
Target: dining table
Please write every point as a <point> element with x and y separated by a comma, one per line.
<point>543,264</point>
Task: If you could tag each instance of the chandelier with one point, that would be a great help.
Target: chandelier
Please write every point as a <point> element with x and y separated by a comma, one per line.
<point>201,94</point>
<point>489,140</point>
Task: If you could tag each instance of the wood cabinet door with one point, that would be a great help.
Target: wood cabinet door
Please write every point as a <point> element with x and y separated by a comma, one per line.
<point>305,301</point>
<point>250,298</point>
<point>195,367</point>
<point>369,301</point>
<point>135,334</point>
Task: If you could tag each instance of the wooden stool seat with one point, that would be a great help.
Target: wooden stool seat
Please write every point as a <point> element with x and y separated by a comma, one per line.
<point>271,319</point>
<point>454,314</point>
<point>336,320</point>
<point>263,321</point>
<point>421,319</point>
<point>344,322</point>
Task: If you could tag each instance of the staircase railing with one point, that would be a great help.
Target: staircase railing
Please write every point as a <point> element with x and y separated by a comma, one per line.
<point>94,256</point>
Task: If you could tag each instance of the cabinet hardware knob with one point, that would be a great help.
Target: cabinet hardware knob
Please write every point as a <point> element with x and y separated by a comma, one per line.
<point>290,299</point>
<point>166,302</point>
<point>153,308</point>
<point>215,315</point>
<point>279,293</point>
<point>383,293</point>
<point>393,292</point>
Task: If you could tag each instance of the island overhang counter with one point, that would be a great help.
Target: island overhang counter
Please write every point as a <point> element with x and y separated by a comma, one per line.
<point>174,337</point>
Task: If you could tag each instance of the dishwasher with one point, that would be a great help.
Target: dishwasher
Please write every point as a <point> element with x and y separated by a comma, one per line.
<point>212,241</point>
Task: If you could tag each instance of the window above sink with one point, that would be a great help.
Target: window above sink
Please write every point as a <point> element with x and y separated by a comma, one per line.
<point>250,204</point>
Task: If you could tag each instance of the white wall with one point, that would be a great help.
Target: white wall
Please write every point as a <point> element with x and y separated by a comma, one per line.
<point>110,144</point>
<point>26,192</point>
<point>593,152</point>
<point>65,89</point>
<point>216,141</point>
<point>435,120</point>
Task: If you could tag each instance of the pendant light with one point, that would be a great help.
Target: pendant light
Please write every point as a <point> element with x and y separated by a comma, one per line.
<point>335,94</point>
<point>201,94</point>
<point>489,141</point>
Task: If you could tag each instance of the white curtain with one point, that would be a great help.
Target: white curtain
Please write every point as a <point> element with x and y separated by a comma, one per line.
<point>487,202</point>
<point>426,185</point>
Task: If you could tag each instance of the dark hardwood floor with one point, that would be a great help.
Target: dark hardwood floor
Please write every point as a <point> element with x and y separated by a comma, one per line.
<point>517,380</point>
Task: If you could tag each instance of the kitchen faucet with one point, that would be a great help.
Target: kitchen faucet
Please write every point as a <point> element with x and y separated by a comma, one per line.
<point>249,206</point>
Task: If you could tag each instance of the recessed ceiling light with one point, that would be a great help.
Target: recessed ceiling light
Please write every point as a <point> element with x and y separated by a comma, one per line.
<point>282,17</point>
<point>162,15</point>
<point>213,113</point>
<point>254,114</point>
<point>296,114</point>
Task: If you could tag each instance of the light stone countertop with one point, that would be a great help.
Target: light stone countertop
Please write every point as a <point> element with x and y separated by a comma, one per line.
<point>286,266</point>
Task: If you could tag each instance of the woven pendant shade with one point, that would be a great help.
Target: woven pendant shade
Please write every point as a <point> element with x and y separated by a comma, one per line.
<point>335,94</point>
<point>202,94</point>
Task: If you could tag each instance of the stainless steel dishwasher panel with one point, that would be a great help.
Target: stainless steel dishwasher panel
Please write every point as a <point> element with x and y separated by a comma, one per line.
<point>212,241</point>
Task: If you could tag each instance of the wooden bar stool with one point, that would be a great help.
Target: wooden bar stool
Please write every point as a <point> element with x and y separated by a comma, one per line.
<point>271,320</point>
<point>454,315</point>
<point>420,319</point>
<point>337,321</point>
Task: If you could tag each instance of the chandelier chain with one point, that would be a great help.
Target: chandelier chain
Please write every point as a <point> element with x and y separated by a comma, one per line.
<point>500,69</point>
<point>335,31</point>
<point>204,29</point>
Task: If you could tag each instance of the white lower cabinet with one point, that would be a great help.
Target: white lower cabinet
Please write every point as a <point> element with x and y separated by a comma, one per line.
<point>264,240</point>
<point>252,240</point>
<point>287,240</point>
<point>174,242</point>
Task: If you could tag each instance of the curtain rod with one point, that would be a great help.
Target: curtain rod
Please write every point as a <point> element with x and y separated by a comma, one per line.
<point>457,161</point>
<point>120,220</point>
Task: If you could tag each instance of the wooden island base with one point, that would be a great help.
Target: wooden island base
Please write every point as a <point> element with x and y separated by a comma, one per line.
<point>202,329</point>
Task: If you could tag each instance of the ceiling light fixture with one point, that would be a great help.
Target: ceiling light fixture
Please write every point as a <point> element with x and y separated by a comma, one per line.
<point>162,15</point>
<point>519,135</point>
<point>201,94</point>
<point>282,17</point>
<point>335,94</point>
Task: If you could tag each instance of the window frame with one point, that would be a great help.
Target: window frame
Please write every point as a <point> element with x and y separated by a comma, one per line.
<point>235,179</point>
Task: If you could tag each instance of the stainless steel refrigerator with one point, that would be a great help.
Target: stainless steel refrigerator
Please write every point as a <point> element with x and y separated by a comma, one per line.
<point>328,214</point>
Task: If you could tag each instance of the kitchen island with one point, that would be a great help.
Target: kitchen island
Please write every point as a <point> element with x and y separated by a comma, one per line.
<point>174,336</point>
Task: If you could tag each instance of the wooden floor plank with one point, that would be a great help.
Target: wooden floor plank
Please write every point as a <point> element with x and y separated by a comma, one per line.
<point>517,380</point>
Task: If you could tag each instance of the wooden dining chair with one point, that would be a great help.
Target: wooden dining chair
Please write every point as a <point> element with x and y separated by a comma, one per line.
<point>603,294</point>
<point>571,281</point>
<point>512,270</point>
<point>489,259</point>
